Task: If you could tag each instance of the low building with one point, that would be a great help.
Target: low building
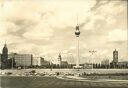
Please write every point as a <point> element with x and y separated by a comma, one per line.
<point>123,64</point>
<point>87,65</point>
<point>36,61</point>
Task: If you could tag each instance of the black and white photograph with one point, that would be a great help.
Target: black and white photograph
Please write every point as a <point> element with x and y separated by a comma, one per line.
<point>63,44</point>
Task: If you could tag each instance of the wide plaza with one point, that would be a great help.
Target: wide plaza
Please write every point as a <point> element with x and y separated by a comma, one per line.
<point>53,82</point>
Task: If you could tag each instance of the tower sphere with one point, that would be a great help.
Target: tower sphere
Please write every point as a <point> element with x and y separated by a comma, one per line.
<point>77,32</point>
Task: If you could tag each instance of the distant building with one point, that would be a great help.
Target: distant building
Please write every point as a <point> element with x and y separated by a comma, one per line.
<point>59,59</point>
<point>23,59</point>
<point>44,62</point>
<point>115,56</point>
<point>11,55</point>
<point>36,61</point>
<point>11,59</point>
<point>4,57</point>
<point>7,60</point>
<point>114,63</point>
<point>62,63</point>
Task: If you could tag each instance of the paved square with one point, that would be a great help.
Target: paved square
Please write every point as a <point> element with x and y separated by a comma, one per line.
<point>52,82</point>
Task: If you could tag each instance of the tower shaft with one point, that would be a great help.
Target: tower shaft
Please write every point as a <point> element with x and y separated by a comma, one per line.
<point>77,47</point>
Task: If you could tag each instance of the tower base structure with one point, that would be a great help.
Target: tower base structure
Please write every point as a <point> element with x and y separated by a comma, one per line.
<point>77,67</point>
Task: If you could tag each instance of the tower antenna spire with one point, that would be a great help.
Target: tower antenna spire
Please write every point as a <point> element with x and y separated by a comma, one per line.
<point>77,19</point>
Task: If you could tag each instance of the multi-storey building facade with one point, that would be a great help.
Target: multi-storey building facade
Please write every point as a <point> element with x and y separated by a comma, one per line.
<point>23,59</point>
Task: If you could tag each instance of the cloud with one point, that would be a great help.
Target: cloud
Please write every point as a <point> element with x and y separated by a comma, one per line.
<point>99,3</point>
<point>117,35</point>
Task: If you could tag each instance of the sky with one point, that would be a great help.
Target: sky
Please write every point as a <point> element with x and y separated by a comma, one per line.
<point>46,28</point>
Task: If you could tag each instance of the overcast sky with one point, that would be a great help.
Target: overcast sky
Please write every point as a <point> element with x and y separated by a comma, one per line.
<point>46,27</point>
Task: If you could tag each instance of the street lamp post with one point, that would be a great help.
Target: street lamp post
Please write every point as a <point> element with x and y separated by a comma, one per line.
<point>92,52</point>
<point>24,63</point>
<point>13,58</point>
<point>51,63</point>
<point>12,62</point>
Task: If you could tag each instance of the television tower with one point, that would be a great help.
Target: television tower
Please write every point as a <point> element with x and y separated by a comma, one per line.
<point>77,33</point>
